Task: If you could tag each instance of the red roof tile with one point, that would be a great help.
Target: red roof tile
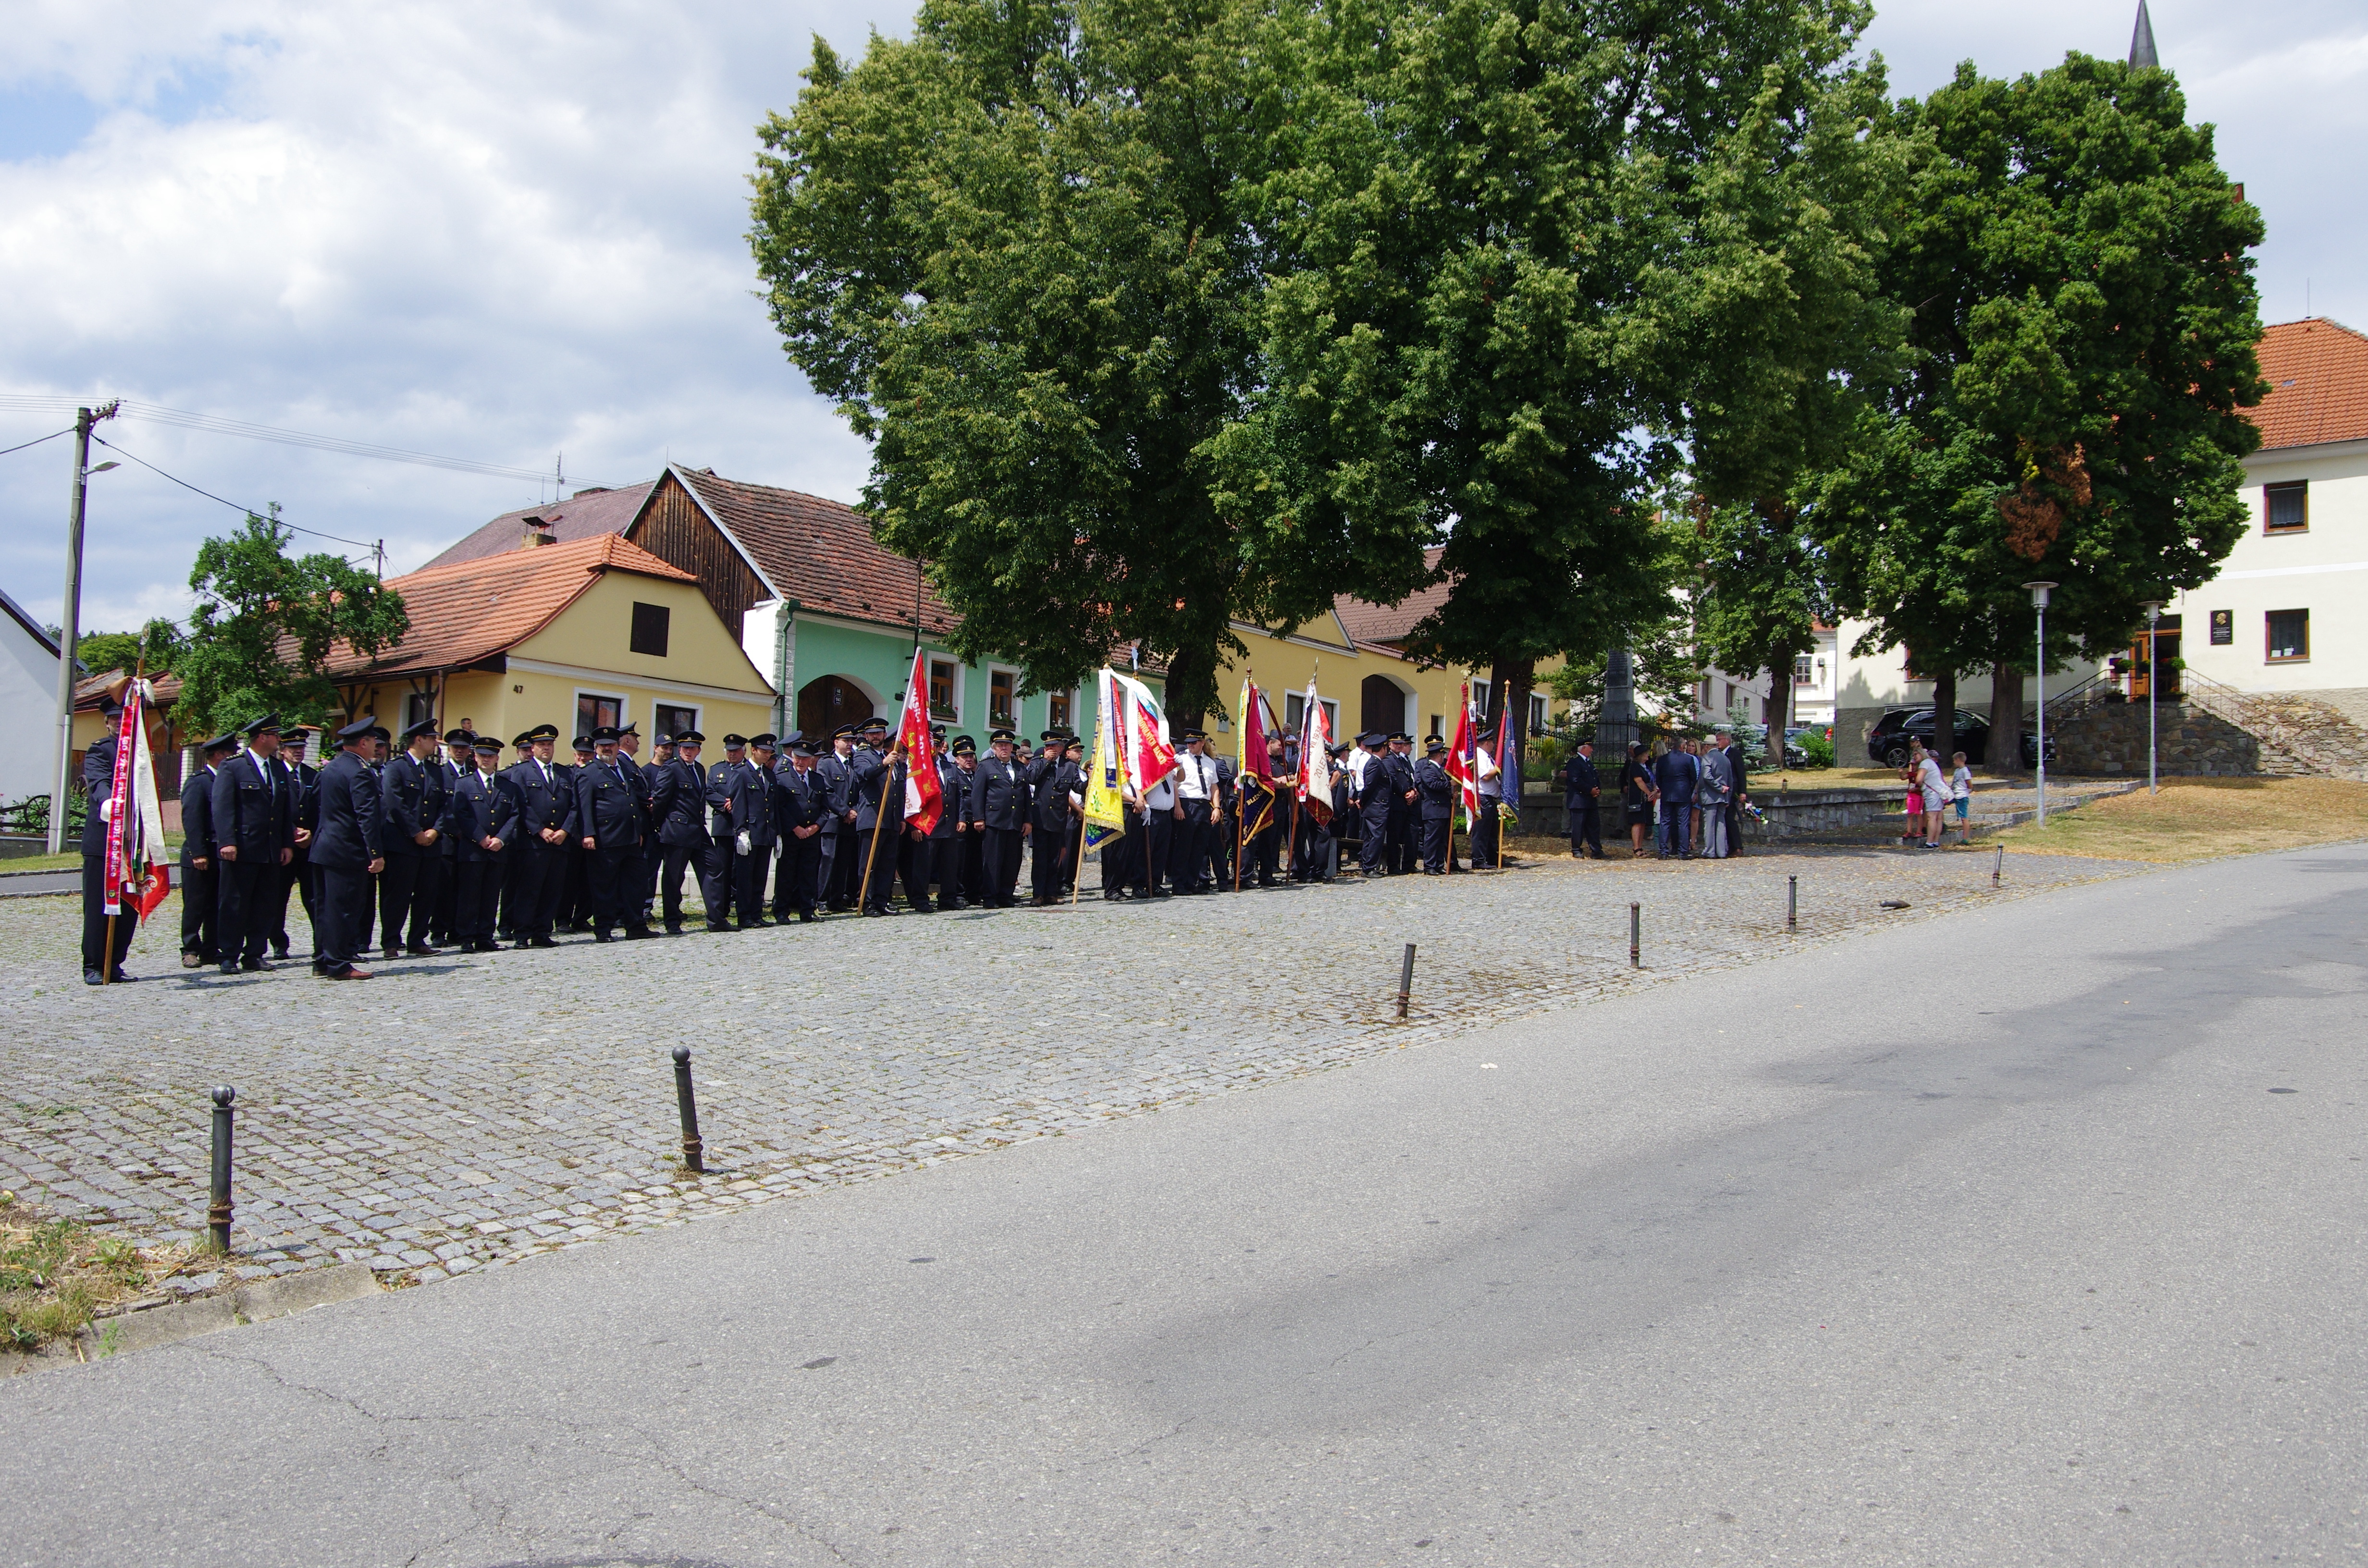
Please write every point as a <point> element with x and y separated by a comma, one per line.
<point>1369,622</point>
<point>2317,372</point>
<point>466,611</point>
<point>821,552</point>
<point>579,517</point>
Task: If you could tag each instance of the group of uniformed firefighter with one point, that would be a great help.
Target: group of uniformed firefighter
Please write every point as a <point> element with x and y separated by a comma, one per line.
<point>409,844</point>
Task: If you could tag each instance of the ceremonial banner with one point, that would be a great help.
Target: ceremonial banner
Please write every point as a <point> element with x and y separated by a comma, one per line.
<point>1509,764</point>
<point>1255,767</point>
<point>923,790</point>
<point>1463,760</point>
<point>1105,807</point>
<point>1145,751</point>
<point>135,824</point>
<point>1315,758</point>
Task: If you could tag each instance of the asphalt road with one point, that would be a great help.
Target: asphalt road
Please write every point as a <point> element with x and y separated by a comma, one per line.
<point>2038,1239</point>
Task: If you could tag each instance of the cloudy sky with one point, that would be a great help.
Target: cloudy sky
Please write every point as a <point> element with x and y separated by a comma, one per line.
<point>507,232</point>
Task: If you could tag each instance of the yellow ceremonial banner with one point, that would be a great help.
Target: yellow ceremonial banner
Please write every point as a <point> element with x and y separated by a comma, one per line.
<point>1105,807</point>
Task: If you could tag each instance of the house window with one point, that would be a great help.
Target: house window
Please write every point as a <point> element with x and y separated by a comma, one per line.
<point>1057,708</point>
<point>417,708</point>
<point>2286,507</point>
<point>1479,702</point>
<point>2224,628</point>
<point>942,690</point>
<point>650,629</point>
<point>1803,672</point>
<point>2289,636</point>
<point>592,711</point>
<point>1295,714</point>
<point>1002,705</point>
<point>1436,730</point>
<point>1537,714</point>
<point>673,720</point>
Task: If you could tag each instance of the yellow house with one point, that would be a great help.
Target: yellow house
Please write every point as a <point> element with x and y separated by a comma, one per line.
<point>594,631</point>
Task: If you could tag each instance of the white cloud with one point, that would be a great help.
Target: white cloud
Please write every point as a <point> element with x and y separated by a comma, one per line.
<point>502,231</point>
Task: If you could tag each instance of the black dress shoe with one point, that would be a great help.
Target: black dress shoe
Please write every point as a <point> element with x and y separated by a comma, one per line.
<point>251,965</point>
<point>807,917</point>
<point>92,977</point>
<point>714,926</point>
<point>389,955</point>
<point>674,928</point>
<point>421,949</point>
<point>602,936</point>
<point>230,966</point>
<point>542,942</point>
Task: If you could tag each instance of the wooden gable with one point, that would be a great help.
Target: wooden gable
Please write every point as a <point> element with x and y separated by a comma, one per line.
<point>673,527</point>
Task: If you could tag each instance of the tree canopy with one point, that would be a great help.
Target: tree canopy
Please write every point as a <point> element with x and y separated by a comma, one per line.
<point>264,626</point>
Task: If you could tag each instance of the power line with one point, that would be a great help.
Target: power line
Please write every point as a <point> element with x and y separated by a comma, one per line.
<point>157,414</point>
<point>249,511</point>
<point>50,437</point>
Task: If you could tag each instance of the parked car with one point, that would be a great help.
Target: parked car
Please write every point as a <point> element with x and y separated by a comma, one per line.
<point>1887,743</point>
<point>1795,755</point>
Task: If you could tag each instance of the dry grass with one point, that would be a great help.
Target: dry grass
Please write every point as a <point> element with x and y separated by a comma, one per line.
<point>2202,819</point>
<point>56,1274</point>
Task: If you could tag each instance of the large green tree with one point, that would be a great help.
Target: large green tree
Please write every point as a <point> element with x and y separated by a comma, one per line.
<point>2083,317</point>
<point>1013,249</point>
<point>266,623</point>
<point>1508,233</point>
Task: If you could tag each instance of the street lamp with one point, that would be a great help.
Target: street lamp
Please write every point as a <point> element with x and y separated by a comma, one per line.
<point>70,618</point>
<point>2039,604</point>
<point>2153,613</point>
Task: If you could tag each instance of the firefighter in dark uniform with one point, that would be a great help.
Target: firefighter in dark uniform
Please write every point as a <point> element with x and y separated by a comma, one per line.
<point>459,758</point>
<point>747,799</point>
<point>506,923</point>
<point>546,813</point>
<point>802,818</point>
<point>998,809</point>
<point>640,873</point>
<point>255,835</point>
<point>1437,790</point>
<point>1406,806</point>
<point>346,851</point>
<point>1048,817</point>
<point>575,909</point>
<point>717,886</point>
<point>1074,772</point>
<point>839,859</point>
<point>879,799</point>
<point>679,806</point>
<point>199,892</point>
<point>609,813</point>
<point>296,877</point>
<point>413,798</point>
<point>483,824</point>
<point>971,856</point>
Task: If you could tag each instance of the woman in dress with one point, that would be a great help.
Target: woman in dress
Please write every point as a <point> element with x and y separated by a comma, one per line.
<point>1637,794</point>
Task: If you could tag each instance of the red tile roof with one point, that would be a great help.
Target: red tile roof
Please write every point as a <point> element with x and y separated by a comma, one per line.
<point>579,517</point>
<point>2317,372</point>
<point>1370,622</point>
<point>821,552</point>
<point>466,611</point>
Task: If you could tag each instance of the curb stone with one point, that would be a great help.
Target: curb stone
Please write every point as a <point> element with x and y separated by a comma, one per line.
<point>276,1297</point>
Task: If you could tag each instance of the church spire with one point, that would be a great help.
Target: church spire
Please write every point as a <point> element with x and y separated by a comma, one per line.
<point>2142,42</point>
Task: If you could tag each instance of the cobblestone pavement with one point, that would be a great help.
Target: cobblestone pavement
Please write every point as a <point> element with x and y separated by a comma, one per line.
<point>459,1112</point>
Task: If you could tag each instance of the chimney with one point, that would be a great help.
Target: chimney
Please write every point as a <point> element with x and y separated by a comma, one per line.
<point>538,531</point>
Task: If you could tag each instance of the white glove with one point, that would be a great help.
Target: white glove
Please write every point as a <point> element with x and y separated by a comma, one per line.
<point>742,842</point>
<point>106,809</point>
<point>777,849</point>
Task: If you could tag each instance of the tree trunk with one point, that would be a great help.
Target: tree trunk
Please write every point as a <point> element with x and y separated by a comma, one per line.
<point>1944,718</point>
<point>1192,685</point>
<point>2005,753</point>
<point>1779,703</point>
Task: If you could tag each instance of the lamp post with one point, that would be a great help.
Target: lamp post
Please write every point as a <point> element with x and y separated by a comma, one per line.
<point>2038,606</point>
<point>70,620</point>
<point>2153,613</point>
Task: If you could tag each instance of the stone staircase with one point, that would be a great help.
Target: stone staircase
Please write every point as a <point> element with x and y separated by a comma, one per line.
<point>2213,730</point>
<point>2298,733</point>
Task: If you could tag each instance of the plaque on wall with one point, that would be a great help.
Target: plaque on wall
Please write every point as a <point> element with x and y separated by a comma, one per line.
<point>2224,628</point>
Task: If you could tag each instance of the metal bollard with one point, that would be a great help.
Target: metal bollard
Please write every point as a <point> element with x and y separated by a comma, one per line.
<point>1998,865</point>
<point>1791,903</point>
<point>1405,980</point>
<point>217,1207</point>
<point>693,1157</point>
<point>1635,935</point>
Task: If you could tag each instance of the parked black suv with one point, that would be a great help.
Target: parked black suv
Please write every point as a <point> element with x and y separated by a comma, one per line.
<point>1887,743</point>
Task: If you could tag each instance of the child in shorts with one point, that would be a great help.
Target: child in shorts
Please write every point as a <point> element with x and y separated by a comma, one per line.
<point>1960,789</point>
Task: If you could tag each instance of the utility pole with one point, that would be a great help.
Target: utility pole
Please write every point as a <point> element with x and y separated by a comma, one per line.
<point>69,621</point>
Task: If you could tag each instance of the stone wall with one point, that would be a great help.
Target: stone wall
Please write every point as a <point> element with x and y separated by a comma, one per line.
<point>2109,738</point>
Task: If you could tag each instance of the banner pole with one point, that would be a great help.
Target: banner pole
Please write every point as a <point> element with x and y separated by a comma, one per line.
<point>871,857</point>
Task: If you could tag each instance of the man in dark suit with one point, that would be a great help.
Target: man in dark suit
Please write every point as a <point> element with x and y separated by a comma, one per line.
<point>412,800</point>
<point>801,816</point>
<point>968,876</point>
<point>1676,773</point>
<point>838,865</point>
<point>1582,797</point>
<point>546,813</point>
<point>747,798</point>
<point>255,834</point>
<point>1406,806</point>
<point>481,824</point>
<point>296,877</point>
<point>346,851</point>
<point>678,808</point>
<point>1048,817</point>
<point>879,800</point>
<point>1191,839</point>
<point>610,812</point>
<point>100,965</point>
<point>459,758</point>
<point>641,872</point>
<point>998,808</point>
<point>198,886</point>
<point>716,882</point>
<point>1435,790</point>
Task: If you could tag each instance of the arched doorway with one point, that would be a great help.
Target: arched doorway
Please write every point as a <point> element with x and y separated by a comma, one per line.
<point>1381,706</point>
<point>826,703</point>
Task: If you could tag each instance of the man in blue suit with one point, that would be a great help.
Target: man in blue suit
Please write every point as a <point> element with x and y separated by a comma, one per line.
<point>347,849</point>
<point>1582,793</point>
<point>255,837</point>
<point>1676,773</point>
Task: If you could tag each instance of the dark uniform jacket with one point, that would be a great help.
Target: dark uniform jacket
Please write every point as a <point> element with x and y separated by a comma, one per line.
<point>478,808</point>
<point>1400,769</point>
<point>197,819</point>
<point>799,800</point>
<point>254,809</point>
<point>1049,778</point>
<point>998,795</point>
<point>97,786</point>
<point>719,782</point>
<point>953,785</point>
<point>748,802</point>
<point>838,778</point>
<point>349,836</point>
<point>305,779</point>
<point>541,805</point>
<point>1437,789</point>
<point>874,776</point>
<point>610,805</point>
<point>413,803</point>
<point>1579,783</point>
<point>678,804</point>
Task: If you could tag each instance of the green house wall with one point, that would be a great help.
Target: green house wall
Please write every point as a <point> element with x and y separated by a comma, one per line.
<point>878,663</point>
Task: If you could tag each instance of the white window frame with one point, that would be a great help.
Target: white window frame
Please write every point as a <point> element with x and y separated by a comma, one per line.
<point>696,720</point>
<point>1018,698</point>
<point>624,708</point>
